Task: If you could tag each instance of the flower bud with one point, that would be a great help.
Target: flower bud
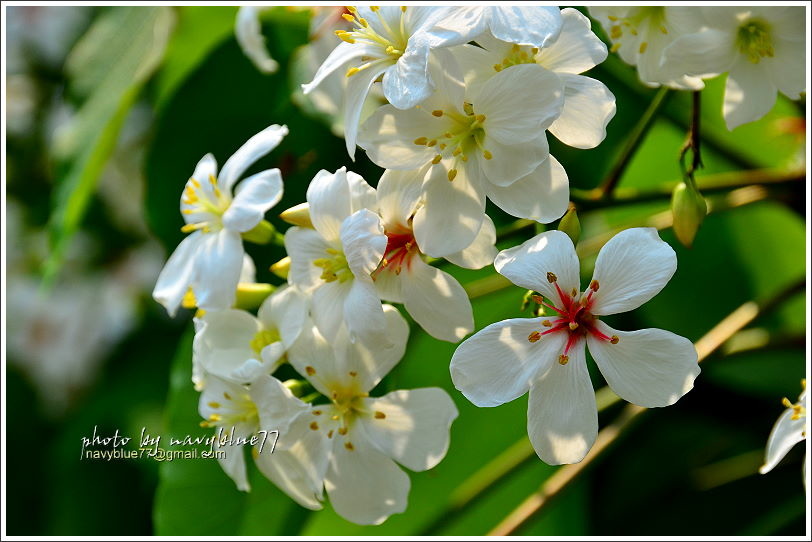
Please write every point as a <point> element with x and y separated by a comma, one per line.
<point>298,215</point>
<point>689,210</point>
<point>570,224</point>
<point>250,295</point>
<point>261,234</point>
<point>281,268</point>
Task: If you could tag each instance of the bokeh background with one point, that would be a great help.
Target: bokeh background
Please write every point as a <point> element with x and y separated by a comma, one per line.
<point>107,112</point>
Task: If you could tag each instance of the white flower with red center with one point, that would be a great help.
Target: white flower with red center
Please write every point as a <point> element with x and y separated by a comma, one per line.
<point>334,260</point>
<point>234,345</point>
<point>526,25</point>
<point>351,444</point>
<point>789,430</point>
<point>763,49</point>
<point>238,412</point>
<point>473,147</point>
<point>388,42</point>
<point>431,296</point>
<point>210,260</point>
<point>640,35</point>
<point>547,355</point>
<point>588,104</point>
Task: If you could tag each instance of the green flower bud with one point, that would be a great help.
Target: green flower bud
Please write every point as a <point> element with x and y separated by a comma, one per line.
<point>250,295</point>
<point>261,234</point>
<point>689,210</point>
<point>570,224</point>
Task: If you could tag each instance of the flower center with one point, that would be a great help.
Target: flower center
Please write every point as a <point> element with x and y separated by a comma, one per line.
<point>206,200</point>
<point>391,40</point>
<point>264,338</point>
<point>518,55</point>
<point>652,17</point>
<point>574,317</point>
<point>400,248</point>
<point>465,135</point>
<point>754,40</point>
<point>335,266</point>
<point>233,410</point>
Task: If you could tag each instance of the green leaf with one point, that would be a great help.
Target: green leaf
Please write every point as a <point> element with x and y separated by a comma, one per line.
<point>108,67</point>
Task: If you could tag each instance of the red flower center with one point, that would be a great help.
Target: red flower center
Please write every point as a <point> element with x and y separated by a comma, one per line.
<point>400,247</point>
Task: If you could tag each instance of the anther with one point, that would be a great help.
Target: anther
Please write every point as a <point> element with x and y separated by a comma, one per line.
<point>437,112</point>
<point>214,404</point>
<point>452,173</point>
<point>379,415</point>
<point>534,337</point>
<point>314,426</point>
<point>353,374</point>
<point>436,159</point>
<point>594,285</point>
<point>421,141</point>
<point>226,395</point>
<point>563,360</point>
<point>546,323</point>
<point>615,339</point>
<point>348,445</point>
<point>310,370</point>
<point>317,412</point>
<point>573,326</point>
<point>342,430</point>
<point>643,47</point>
<point>487,154</point>
<point>551,277</point>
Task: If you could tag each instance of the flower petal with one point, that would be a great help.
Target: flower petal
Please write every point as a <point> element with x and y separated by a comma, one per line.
<point>314,358</point>
<point>408,83</point>
<point>356,94</point>
<point>388,136</point>
<point>576,50</point>
<point>253,149</point>
<point>456,208</point>
<point>499,363</point>
<point>277,407</point>
<point>285,310</point>
<point>479,253</point>
<point>362,196</point>
<point>412,427</point>
<point>178,273</point>
<point>398,196</point>
<point>304,245</point>
<point>327,307</point>
<point>785,434</point>
<point>436,301</point>
<point>223,345</point>
<point>248,32</point>
<point>749,93</point>
<point>205,169</point>
<point>254,196</point>
<point>526,25</point>
<point>364,243</point>
<point>542,196</point>
<point>588,108</point>
<point>329,197</point>
<point>343,54</point>
<point>631,269</point>
<point>512,162</point>
<point>364,315</point>
<point>528,264</point>
<point>217,270</point>
<point>649,367</point>
<point>707,52</point>
<point>364,485</point>
<point>562,417</point>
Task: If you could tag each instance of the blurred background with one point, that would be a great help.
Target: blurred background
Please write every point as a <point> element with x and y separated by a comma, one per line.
<point>107,112</point>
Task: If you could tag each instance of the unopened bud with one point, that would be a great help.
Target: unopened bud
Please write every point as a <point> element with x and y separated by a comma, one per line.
<point>250,295</point>
<point>689,210</point>
<point>570,224</point>
<point>261,234</point>
<point>298,215</point>
<point>281,268</point>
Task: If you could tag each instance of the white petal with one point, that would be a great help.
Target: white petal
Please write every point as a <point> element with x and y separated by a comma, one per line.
<point>233,463</point>
<point>249,35</point>
<point>436,301</point>
<point>276,406</point>
<point>527,25</point>
<point>254,196</point>
<point>314,358</point>
<point>388,136</point>
<point>649,367</point>
<point>298,463</point>
<point>224,343</point>
<point>588,108</point>
<point>631,269</point>
<point>528,264</point>
<point>285,310</point>
<point>327,306</point>
<point>709,51</point>
<point>342,55</point>
<point>253,149</point>
<point>178,273</point>
<point>499,363</point>
<point>479,253</point>
<point>304,245</point>
<point>362,196</point>
<point>513,117</point>
<point>749,93</point>
<point>399,195</point>
<point>387,284</point>
<point>217,270</point>
<point>514,161</point>
<point>364,243</point>
<point>248,273</point>
<point>414,429</point>
<point>783,67</point>
<point>329,197</point>
<point>356,94</point>
<point>542,196</point>
<point>364,315</point>
<point>455,208</point>
<point>562,417</point>
<point>576,50</point>
<point>785,434</point>
<point>408,83</point>
<point>205,169</point>
<point>364,485</point>
<point>463,24</point>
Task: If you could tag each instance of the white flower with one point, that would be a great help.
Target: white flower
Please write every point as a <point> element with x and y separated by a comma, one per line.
<point>546,355</point>
<point>249,35</point>
<point>640,35</point>
<point>763,49</point>
<point>350,445</point>
<point>234,345</point>
<point>239,412</point>
<point>388,41</point>
<point>491,144</point>
<point>334,260</point>
<point>431,296</point>
<point>789,430</point>
<point>209,261</point>
<point>525,25</point>
<point>588,104</point>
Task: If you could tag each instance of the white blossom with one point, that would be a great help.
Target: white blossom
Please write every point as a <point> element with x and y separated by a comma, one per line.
<point>546,355</point>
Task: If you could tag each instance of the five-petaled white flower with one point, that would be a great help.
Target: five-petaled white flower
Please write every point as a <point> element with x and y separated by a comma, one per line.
<point>388,41</point>
<point>789,430</point>
<point>431,296</point>
<point>350,444</point>
<point>209,261</point>
<point>239,412</point>
<point>763,49</point>
<point>546,355</point>
<point>334,260</point>
<point>234,345</point>
<point>473,146</point>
